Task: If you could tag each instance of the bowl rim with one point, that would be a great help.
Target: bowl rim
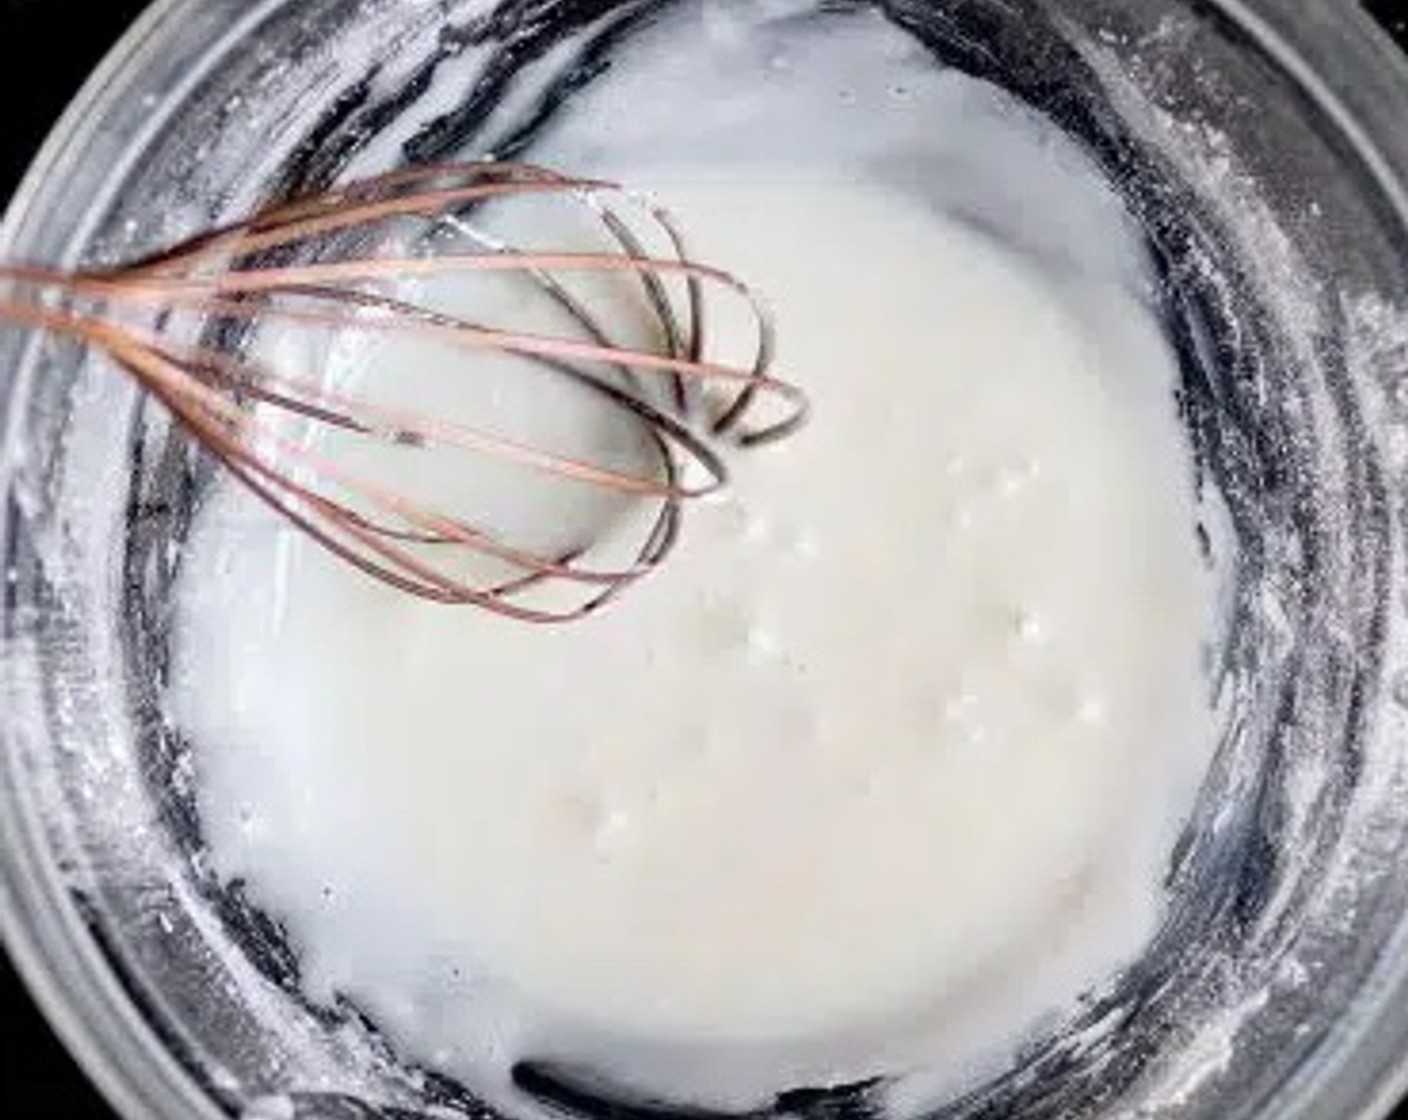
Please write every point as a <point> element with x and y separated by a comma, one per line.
<point>52,951</point>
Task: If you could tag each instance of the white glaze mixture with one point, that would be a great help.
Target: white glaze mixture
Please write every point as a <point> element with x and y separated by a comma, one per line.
<point>883,767</point>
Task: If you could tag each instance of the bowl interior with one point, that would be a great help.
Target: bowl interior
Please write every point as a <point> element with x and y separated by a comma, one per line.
<point>1279,237</point>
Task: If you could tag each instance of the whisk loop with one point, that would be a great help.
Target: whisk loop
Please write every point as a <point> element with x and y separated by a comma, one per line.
<point>180,322</point>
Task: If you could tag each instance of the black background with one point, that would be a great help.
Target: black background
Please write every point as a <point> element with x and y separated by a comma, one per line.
<point>54,45</point>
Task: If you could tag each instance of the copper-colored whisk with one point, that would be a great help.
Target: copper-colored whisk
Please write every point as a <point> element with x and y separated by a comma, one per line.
<point>323,262</point>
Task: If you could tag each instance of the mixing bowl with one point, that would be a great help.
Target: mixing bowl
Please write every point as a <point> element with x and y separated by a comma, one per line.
<point>1261,143</point>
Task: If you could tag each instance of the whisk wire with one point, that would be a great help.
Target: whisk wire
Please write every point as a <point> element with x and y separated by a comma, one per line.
<point>321,263</point>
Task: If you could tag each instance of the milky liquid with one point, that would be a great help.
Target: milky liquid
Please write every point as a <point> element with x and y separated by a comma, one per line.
<point>883,767</point>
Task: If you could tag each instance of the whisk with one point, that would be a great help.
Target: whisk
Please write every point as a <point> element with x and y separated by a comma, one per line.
<point>178,321</point>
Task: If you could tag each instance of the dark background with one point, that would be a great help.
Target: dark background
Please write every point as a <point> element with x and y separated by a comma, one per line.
<point>54,45</point>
